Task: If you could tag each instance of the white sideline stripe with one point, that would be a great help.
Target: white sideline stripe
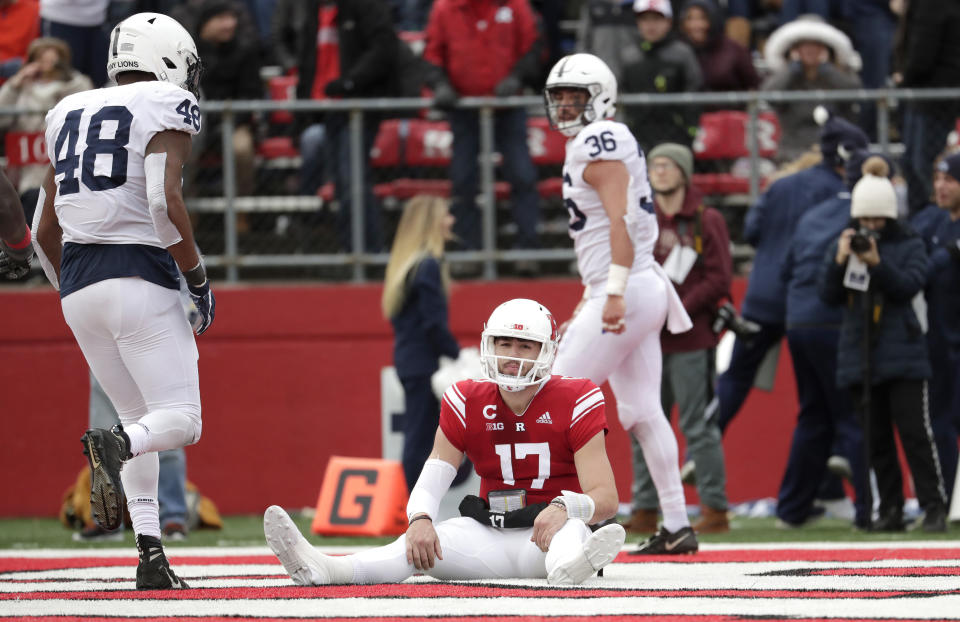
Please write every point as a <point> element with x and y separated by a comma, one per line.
<point>936,607</point>
<point>651,576</point>
<point>241,551</point>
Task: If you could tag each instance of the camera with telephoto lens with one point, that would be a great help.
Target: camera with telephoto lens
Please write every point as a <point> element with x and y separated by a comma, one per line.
<point>728,318</point>
<point>860,241</point>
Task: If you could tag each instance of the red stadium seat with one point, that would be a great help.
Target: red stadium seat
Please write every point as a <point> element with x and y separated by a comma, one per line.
<point>386,149</point>
<point>277,147</point>
<point>546,145</point>
<point>282,88</point>
<point>428,143</point>
<point>723,135</point>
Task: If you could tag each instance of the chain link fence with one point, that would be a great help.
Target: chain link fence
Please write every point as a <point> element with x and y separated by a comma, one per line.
<point>260,184</point>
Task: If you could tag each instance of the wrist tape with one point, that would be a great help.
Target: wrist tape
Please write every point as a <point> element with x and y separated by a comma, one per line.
<point>579,505</point>
<point>617,279</point>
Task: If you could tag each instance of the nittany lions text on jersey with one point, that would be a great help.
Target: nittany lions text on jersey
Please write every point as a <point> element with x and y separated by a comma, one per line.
<point>589,224</point>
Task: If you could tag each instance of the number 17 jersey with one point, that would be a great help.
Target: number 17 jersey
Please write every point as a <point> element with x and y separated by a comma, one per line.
<point>532,451</point>
<point>589,224</point>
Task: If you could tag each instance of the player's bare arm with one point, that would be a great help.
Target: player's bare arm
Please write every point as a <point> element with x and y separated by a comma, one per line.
<point>49,234</point>
<point>596,481</point>
<point>611,180</point>
<point>173,148</point>
<point>423,545</point>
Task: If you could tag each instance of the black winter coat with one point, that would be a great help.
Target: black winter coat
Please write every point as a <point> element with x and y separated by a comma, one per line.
<point>897,346</point>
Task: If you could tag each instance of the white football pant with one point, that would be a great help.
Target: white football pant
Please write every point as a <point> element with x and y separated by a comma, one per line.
<point>633,363</point>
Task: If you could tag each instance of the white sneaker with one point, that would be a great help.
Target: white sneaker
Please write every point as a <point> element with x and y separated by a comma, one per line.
<point>304,564</point>
<point>598,551</point>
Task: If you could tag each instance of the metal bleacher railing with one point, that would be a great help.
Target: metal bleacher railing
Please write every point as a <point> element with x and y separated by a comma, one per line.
<point>223,210</point>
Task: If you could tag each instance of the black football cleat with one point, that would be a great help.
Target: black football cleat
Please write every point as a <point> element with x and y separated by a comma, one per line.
<point>153,571</point>
<point>680,542</point>
<point>105,451</point>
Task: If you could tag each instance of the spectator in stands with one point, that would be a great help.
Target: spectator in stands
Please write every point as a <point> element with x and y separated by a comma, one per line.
<point>826,420</point>
<point>486,47</point>
<point>415,293</point>
<point>874,270</point>
<point>939,226</point>
<point>348,49</point>
<point>873,27</point>
<point>45,79</point>
<point>808,54</point>
<point>660,63</point>
<point>231,70</point>
<point>725,64</point>
<point>19,25</point>
<point>694,250</point>
<point>928,56</point>
<point>81,24</point>
<point>288,16</point>
<point>606,27</point>
<point>769,227</point>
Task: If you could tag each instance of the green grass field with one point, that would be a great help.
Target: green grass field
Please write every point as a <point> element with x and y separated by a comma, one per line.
<point>39,533</point>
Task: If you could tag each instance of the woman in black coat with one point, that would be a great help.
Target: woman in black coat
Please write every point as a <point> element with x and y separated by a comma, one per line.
<point>415,293</point>
<point>875,269</point>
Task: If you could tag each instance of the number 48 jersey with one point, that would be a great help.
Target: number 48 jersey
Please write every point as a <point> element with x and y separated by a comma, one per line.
<point>533,451</point>
<point>96,142</point>
<point>589,224</point>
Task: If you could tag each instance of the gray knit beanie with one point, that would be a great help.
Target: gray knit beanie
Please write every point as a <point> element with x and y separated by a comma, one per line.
<point>680,154</point>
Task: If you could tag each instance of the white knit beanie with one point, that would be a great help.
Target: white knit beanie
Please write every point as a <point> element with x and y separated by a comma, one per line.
<point>873,197</point>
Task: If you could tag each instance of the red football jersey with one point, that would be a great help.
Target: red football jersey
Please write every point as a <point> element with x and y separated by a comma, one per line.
<point>534,450</point>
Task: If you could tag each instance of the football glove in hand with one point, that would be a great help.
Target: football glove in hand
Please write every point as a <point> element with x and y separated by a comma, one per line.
<point>14,264</point>
<point>206,305</point>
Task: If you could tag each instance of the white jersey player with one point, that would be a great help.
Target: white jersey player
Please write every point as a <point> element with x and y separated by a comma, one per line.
<point>615,332</point>
<point>537,442</point>
<point>114,236</point>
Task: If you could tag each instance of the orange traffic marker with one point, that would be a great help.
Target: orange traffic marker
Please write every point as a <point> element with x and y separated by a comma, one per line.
<point>361,497</point>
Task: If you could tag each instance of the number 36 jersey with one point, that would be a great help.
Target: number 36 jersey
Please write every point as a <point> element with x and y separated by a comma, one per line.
<point>589,224</point>
<point>533,451</point>
<point>96,142</point>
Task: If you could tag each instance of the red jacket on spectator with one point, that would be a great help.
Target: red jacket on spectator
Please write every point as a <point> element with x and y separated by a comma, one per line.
<point>708,282</point>
<point>477,42</point>
<point>19,25</point>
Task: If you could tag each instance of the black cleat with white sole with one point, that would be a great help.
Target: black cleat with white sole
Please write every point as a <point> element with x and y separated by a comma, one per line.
<point>681,542</point>
<point>105,451</point>
<point>153,571</point>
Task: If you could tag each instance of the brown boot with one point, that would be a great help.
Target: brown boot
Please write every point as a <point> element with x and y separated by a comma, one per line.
<point>712,521</point>
<point>642,521</point>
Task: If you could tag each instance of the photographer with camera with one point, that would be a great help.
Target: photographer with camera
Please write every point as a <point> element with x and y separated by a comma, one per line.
<point>694,249</point>
<point>826,422</point>
<point>875,269</point>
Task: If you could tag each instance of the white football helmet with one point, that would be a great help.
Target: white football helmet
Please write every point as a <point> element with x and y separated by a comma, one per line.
<point>583,71</point>
<point>156,44</point>
<point>523,319</point>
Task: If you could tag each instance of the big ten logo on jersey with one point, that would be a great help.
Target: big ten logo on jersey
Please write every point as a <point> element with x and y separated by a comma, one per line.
<point>490,412</point>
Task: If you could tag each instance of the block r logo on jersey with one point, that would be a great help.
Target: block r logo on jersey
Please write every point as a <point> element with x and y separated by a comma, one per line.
<point>545,418</point>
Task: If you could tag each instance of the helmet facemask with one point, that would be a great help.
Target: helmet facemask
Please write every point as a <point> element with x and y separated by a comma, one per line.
<point>586,114</point>
<point>530,372</point>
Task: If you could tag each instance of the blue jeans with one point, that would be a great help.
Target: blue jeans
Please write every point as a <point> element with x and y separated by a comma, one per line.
<point>873,36</point>
<point>88,46</point>
<point>510,137</point>
<point>172,485</point>
<point>735,383</point>
<point>330,143</point>
<point>925,129</point>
